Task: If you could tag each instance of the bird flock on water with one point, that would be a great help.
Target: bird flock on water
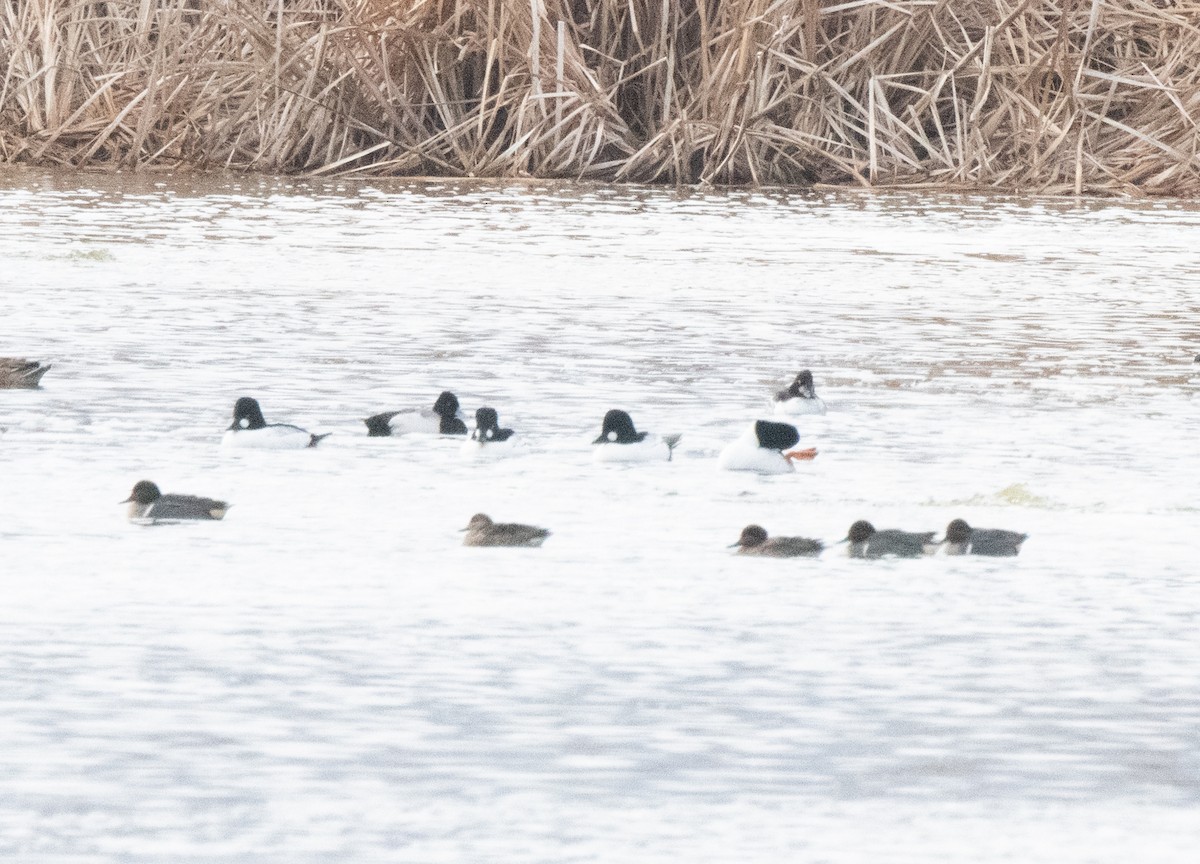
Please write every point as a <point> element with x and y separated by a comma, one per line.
<point>766,447</point>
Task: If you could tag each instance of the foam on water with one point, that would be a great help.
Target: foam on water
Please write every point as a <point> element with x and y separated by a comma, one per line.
<point>327,675</point>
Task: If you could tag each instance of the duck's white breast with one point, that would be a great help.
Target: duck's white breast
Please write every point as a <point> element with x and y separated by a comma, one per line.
<point>797,407</point>
<point>267,438</point>
<point>650,449</point>
<point>415,421</point>
<point>744,454</point>
<point>475,450</point>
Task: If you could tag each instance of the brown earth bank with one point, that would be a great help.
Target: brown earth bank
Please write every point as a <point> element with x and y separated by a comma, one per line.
<point>1077,96</point>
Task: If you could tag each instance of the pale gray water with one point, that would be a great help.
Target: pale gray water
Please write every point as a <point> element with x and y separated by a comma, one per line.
<point>328,676</point>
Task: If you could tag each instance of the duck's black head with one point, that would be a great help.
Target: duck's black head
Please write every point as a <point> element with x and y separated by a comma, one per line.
<point>803,385</point>
<point>776,436</point>
<point>144,492</point>
<point>860,531</point>
<point>446,404</point>
<point>247,414</point>
<point>487,426</point>
<point>618,427</point>
<point>958,531</point>
<point>752,535</point>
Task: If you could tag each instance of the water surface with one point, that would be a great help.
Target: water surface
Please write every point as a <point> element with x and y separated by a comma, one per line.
<point>328,676</point>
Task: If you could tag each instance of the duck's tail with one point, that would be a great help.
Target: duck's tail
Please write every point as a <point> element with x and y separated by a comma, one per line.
<point>317,439</point>
<point>379,425</point>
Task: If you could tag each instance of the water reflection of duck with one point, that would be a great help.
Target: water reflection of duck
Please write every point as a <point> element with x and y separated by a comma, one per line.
<point>619,441</point>
<point>442,420</point>
<point>962,539</point>
<point>866,542</point>
<point>21,373</point>
<point>799,398</point>
<point>754,541</point>
<point>250,429</point>
<point>148,504</point>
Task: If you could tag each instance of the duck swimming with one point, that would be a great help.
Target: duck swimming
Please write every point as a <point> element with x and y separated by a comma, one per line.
<point>962,539</point>
<point>442,420</point>
<point>148,504</point>
<point>250,429</point>
<point>866,542</point>
<point>765,448</point>
<point>487,438</point>
<point>620,441</point>
<point>19,373</point>
<point>482,531</point>
<point>799,398</point>
<point>754,541</point>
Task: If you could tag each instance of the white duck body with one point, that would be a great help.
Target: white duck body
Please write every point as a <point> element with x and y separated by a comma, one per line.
<point>652,448</point>
<point>760,449</point>
<point>798,406</point>
<point>275,436</point>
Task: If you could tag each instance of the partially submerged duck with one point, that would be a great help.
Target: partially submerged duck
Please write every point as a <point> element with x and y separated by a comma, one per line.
<point>799,398</point>
<point>250,429</point>
<point>482,531</point>
<point>442,420</point>
<point>866,542</point>
<point>21,373</point>
<point>754,541</point>
<point>148,504</point>
<point>619,441</point>
<point>962,539</point>
<point>766,448</point>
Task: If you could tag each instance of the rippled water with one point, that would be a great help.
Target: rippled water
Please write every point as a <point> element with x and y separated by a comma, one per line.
<point>328,676</point>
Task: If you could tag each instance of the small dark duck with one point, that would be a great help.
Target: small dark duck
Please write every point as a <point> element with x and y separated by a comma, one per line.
<point>482,531</point>
<point>754,541</point>
<point>21,373</point>
<point>147,504</point>
<point>962,539</point>
<point>866,542</point>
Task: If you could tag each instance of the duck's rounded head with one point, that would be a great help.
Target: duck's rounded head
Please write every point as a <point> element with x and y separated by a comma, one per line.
<point>144,492</point>
<point>958,531</point>
<point>618,427</point>
<point>776,436</point>
<point>487,421</point>
<point>860,531</point>
<point>752,535</point>
<point>247,414</point>
<point>446,404</point>
<point>803,385</point>
<point>478,522</point>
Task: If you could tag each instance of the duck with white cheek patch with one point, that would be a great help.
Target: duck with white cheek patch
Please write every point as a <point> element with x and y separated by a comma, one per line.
<point>250,429</point>
<point>619,441</point>
<point>488,440</point>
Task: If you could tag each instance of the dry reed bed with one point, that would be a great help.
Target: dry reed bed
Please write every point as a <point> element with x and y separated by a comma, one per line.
<point>1070,96</point>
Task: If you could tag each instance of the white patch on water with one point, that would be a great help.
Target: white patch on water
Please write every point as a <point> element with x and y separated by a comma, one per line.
<point>327,675</point>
